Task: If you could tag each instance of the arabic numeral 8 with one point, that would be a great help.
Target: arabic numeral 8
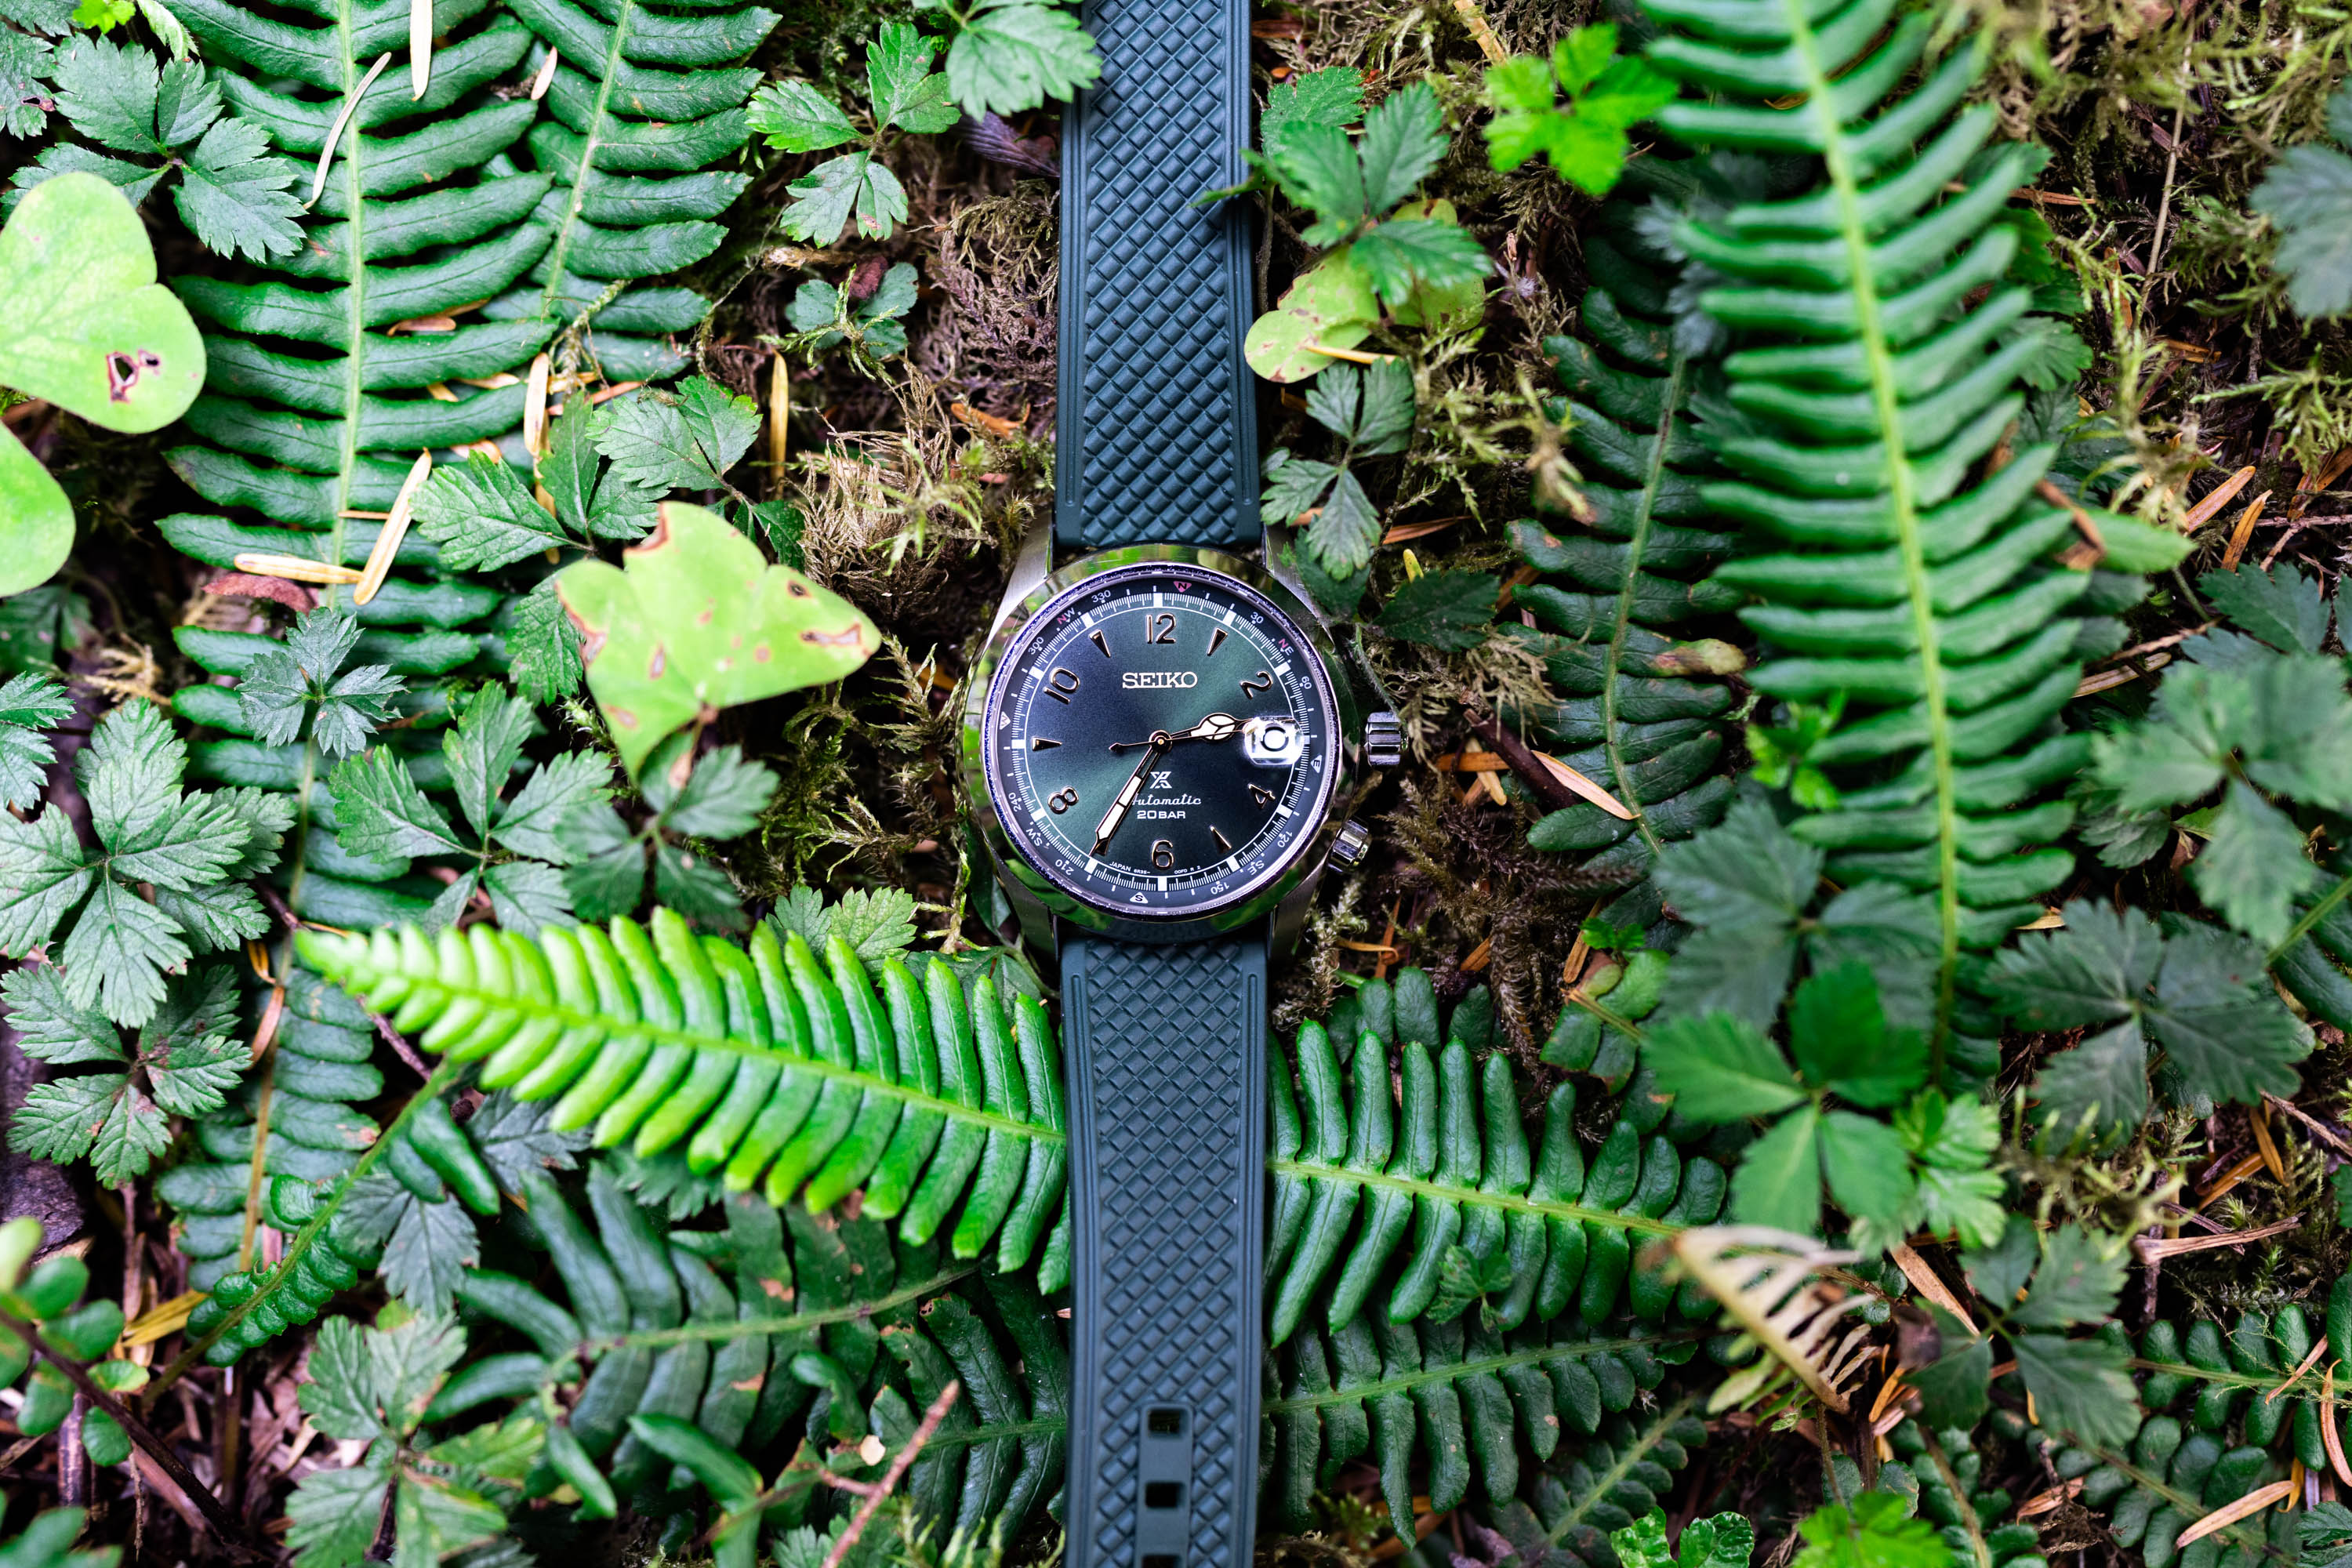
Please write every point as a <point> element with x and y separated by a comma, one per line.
<point>1061,800</point>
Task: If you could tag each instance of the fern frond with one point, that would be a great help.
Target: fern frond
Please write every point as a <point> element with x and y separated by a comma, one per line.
<point>1589,1489</point>
<point>765,1065</point>
<point>409,224</point>
<point>999,1455</point>
<point>1445,1158</point>
<point>1448,1397</point>
<point>690,1325</point>
<point>624,116</point>
<point>1772,1291</point>
<point>1902,554</point>
<point>1642,706</point>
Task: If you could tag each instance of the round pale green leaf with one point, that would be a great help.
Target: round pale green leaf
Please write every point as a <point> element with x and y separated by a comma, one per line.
<point>699,621</point>
<point>83,322</point>
<point>37,526</point>
<point>1331,304</point>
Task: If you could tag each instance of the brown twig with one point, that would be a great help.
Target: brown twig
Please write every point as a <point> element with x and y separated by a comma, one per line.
<point>2325,1133</point>
<point>896,1472</point>
<point>224,1524</point>
<point>2173,1246</point>
<point>1530,770</point>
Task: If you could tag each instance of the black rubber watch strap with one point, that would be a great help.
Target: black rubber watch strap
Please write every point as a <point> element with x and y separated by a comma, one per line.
<point>1156,437</point>
<point>1165,1048</point>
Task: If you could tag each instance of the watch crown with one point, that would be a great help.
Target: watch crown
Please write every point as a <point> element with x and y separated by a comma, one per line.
<point>1349,848</point>
<point>1383,739</point>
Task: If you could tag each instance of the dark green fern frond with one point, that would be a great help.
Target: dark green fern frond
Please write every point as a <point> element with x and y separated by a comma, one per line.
<point>318,1075</point>
<point>1644,696</point>
<point>766,1065</point>
<point>738,1331</point>
<point>1566,1513</point>
<point>1907,566</point>
<point>1439,1175</point>
<point>640,110</point>
<point>1448,1398</point>
<point>409,224</point>
<point>999,1453</point>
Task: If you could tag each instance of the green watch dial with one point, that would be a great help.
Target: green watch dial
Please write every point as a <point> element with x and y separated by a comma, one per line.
<point>1160,740</point>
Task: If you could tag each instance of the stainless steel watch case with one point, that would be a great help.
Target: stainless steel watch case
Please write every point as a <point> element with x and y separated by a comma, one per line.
<point>1041,903</point>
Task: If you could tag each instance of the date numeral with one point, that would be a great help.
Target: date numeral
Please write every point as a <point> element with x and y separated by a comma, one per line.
<point>1060,684</point>
<point>1161,629</point>
<point>1061,800</point>
<point>1257,684</point>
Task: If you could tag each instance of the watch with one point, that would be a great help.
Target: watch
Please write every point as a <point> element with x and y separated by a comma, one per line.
<point>1158,739</point>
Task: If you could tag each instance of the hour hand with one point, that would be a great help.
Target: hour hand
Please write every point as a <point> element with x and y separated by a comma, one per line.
<point>1215,727</point>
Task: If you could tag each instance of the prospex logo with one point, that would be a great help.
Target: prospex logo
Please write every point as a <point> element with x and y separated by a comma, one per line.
<point>1158,679</point>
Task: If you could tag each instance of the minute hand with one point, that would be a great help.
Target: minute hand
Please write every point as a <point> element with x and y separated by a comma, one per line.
<point>1154,748</point>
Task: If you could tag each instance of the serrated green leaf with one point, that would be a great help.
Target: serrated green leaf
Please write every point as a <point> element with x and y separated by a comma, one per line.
<point>2078,1282</point>
<point>1779,1182</point>
<point>2082,1387</point>
<point>236,197</point>
<point>1719,1069</point>
<point>795,117</point>
<point>1838,1033</point>
<point>1449,610</point>
<point>906,92</point>
<point>2253,869</point>
<point>1014,55</point>
<point>482,515</point>
<point>334,1514</point>
<point>381,815</point>
<point>2307,197</point>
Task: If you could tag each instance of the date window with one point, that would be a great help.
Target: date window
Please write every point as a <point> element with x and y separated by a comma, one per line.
<point>1270,743</point>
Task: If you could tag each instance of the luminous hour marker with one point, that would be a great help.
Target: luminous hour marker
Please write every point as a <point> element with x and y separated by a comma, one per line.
<point>1098,642</point>
<point>1215,638</point>
<point>1222,842</point>
<point>1039,743</point>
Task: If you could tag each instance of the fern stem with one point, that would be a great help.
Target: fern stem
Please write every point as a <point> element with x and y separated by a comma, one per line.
<point>736,1327</point>
<point>1618,774</point>
<point>1509,1204</point>
<point>1457,1370</point>
<point>2310,918</point>
<point>355,341</point>
<point>1616,1021</point>
<point>2264,1381</point>
<point>301,1241</point>
<point>1902,501</point>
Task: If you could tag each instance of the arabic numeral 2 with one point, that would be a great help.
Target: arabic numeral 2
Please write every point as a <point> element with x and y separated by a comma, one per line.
<point>1160,628</point>
<point>1257,684</point>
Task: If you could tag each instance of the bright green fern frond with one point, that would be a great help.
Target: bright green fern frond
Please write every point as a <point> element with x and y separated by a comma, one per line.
<point>766,1065</point>
<point>1642,712</point>
<point>1907,563</point>
<point>1440,1178</point>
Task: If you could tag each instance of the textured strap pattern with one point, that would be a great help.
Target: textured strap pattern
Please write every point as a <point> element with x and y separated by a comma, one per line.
<point>1157,433</point>
<point>1166,1056</point>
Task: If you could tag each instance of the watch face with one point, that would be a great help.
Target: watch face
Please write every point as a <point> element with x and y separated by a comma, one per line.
<point>1160,740</point>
